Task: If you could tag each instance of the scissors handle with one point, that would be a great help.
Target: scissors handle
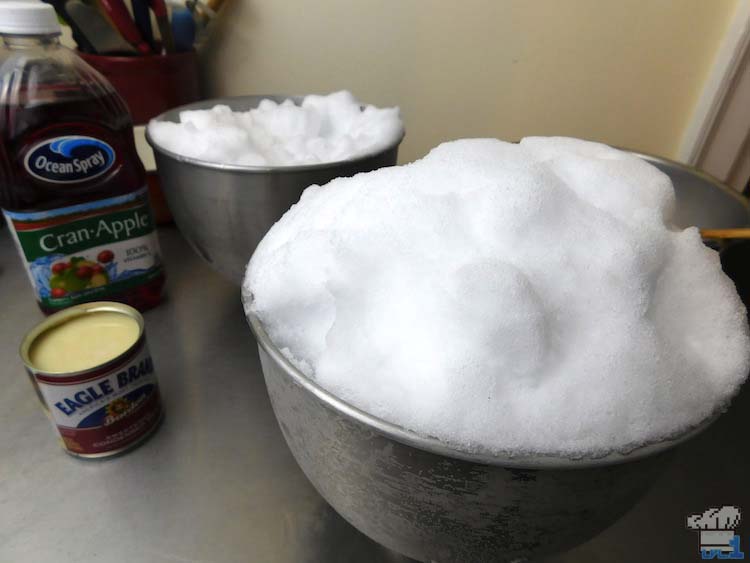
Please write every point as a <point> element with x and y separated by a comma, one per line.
<point>142,18</point>
<point>120,16</point>
<point>162,19</point>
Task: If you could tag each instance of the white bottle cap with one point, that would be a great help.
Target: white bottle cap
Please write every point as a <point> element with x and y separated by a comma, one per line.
<point>31,17</point>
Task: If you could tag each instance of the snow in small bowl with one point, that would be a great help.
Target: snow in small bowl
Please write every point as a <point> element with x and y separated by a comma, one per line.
<point>321,129</point>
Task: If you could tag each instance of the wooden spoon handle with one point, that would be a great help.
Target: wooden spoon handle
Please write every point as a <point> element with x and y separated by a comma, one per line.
<point>725,233</point>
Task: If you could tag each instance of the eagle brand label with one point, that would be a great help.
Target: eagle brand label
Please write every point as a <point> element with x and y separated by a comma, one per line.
<point>104,410</point>
<point>90,251</point>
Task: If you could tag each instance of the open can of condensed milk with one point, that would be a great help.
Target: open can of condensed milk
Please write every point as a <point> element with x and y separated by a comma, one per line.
<point>92,370</point>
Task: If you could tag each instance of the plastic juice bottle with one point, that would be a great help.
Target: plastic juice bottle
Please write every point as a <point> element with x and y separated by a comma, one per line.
<point>72,189</point>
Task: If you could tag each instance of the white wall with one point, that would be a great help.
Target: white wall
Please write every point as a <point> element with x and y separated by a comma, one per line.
<point>625,72</point>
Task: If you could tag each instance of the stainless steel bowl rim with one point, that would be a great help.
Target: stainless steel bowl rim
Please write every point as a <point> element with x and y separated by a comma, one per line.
<point>207,104</point>
<point>696,172</point>
<point>436,446</point>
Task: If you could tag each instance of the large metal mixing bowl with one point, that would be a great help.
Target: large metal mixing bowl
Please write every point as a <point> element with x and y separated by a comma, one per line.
<point>428,501</point>
<point>431,502</point>
<point>224,210</point>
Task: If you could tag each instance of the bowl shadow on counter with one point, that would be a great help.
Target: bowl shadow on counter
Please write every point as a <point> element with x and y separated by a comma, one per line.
<point>334,540</point>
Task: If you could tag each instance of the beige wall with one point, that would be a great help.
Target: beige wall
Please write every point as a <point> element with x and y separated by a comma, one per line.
<point>626,72</point>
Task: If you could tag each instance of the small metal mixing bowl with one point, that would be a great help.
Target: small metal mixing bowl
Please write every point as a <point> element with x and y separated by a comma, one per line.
<point>429,501</point>
<point>223,210</point>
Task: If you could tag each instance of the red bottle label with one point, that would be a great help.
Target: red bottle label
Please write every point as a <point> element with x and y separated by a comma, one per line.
<point>88,252</point>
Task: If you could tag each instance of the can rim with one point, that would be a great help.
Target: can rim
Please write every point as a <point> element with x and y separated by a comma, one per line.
<point>68,314</point>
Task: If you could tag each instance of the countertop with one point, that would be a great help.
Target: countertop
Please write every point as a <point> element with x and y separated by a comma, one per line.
<point>217,484</point>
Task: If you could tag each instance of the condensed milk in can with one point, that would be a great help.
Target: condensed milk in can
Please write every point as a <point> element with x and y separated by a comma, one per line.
<point>92,370</point>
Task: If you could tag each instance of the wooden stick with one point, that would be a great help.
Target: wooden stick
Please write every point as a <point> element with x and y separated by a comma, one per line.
<point>725,233</point>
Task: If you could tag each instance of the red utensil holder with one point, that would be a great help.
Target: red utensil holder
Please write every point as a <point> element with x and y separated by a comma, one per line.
<point>150,85</point>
